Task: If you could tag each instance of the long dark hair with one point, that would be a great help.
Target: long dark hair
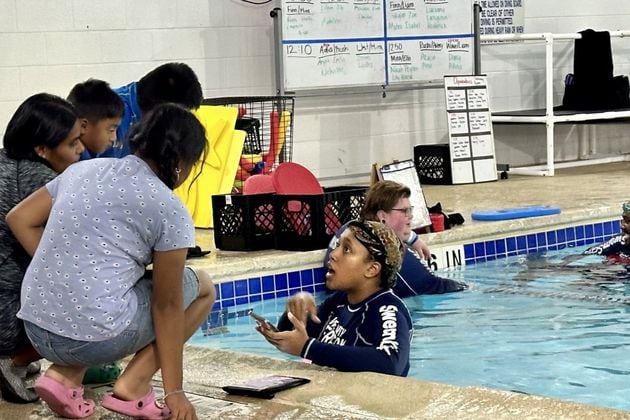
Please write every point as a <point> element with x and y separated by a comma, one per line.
<point>41,120</point>
<point>169,136</point>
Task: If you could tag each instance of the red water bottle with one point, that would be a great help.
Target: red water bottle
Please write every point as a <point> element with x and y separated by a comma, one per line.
<point>437,222</point>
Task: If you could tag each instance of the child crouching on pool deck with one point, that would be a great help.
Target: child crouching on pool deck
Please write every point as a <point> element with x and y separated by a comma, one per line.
<point>87,297</point>
<point>363,326</point>
<point>617,248</point>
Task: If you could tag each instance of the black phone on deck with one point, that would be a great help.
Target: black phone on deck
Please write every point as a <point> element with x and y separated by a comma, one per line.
<point>265,387</point>
<point>263,321</point>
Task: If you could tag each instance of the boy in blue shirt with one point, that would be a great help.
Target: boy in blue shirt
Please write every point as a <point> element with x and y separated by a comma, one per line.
<point>171,82</point>
<point>100,111</point>
<point>363,326</point>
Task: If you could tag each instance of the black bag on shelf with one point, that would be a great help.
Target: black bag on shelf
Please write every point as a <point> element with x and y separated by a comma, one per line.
<point>592,86</point>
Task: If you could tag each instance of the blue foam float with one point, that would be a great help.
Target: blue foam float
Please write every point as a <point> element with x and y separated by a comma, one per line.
<point>514,213</point>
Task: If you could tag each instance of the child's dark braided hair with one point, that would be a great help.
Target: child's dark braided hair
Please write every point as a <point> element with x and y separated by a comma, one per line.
<point>169,136</point>
<point>383,245</point>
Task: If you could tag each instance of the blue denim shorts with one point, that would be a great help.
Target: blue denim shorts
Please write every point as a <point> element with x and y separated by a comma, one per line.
<point>68,352</point>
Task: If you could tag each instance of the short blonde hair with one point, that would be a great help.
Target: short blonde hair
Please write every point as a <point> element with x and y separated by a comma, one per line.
<point>383,195</point>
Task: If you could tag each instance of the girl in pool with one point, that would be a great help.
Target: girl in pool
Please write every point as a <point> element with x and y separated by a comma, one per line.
<point>363,326</point>
<point>87,298</point>
<point>617,248</point>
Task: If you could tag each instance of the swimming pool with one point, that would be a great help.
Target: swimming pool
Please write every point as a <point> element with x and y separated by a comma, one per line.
<point>555,324</point>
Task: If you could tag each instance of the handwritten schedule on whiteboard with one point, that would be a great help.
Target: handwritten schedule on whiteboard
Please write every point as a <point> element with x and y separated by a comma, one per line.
<point>330,43</point>
<point>471,143</point>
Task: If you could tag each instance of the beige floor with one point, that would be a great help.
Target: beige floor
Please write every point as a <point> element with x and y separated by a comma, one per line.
<point>587,193</point>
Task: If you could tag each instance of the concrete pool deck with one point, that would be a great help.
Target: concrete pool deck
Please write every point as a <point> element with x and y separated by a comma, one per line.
<point>337,395</point>
<point>584,194</point>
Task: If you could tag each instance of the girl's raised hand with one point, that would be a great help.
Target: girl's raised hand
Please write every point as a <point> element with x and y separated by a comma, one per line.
<point>302,306</point>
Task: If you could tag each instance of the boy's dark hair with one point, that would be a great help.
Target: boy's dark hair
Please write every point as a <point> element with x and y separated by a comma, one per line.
<point>170,82</point>
<point>169,136</point>
<point>41,120</point>
<point>383,195</point>
<point>94,100</point>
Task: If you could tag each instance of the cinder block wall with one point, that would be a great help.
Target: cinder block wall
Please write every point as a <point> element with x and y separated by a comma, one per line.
<point>49,45</point>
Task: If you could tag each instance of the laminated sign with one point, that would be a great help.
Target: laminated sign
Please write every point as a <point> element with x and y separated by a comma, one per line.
<point>471,141</point>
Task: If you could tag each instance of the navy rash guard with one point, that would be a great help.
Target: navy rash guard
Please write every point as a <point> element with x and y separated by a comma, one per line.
<point>614,249</point>
<point>373,335</point>
<point>413,278</point>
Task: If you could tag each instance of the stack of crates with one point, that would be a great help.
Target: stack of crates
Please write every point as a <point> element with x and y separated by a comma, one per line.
<point>291,222</point>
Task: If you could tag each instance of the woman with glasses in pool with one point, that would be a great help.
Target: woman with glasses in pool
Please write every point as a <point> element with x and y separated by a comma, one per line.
<point>388,203</point>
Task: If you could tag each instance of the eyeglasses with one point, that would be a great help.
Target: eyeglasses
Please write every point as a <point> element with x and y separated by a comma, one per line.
<point>407,210</point>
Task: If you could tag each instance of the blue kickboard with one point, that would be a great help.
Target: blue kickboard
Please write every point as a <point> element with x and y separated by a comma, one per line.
<point>514,213</point>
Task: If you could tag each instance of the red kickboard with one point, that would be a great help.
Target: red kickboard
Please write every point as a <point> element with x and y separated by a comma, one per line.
<point>291,178</point>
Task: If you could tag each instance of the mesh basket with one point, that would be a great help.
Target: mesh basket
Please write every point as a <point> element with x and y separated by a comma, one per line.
<point>433,163</point>
<point>268,122</point>
<point>307,222</point>
<point>243,222</point>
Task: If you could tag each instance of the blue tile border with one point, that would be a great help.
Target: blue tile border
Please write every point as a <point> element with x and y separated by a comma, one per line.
<point>542,241</point>
<point>255,289</point>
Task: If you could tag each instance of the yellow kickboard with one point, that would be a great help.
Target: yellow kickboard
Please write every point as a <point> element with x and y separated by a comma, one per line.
<point>206,178</point>
<point>233,159</point>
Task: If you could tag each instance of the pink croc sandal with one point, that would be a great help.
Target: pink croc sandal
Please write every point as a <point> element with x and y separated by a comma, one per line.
<point>146,407</point>
<point>63,400</point>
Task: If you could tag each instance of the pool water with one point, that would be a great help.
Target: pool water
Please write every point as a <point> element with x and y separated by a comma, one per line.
<point>555,324</point>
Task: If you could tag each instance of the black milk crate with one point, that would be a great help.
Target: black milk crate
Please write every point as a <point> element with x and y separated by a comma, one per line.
<point>433,163</point>
<point>243,222</point>
<point>308,222</point>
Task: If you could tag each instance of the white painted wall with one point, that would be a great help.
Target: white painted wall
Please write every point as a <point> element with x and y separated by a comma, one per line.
<point>516,78</point>
<point>49,45</point>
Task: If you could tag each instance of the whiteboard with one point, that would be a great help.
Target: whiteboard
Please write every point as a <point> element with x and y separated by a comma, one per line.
<point>404,172</point>
<point>336,43</point>
<point>471,142</point>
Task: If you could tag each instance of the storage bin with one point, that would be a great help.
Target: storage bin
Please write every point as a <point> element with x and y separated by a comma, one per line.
<point>307,222</point>
<point>243,222</point>
<point>433,163</point>
<point>268,122</point>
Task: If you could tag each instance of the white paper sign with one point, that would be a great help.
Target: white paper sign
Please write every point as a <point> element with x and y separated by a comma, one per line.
<point>471,142</point>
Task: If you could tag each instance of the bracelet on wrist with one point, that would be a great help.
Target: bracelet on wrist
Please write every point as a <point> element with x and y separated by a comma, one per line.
<point>413,237</point>
<point>168,394</point>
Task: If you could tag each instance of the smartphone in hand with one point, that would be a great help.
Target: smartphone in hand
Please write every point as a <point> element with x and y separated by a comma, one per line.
<point>263,321</point>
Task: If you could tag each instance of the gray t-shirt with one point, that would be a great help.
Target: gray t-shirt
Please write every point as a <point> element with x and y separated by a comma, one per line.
<point>108,217</point>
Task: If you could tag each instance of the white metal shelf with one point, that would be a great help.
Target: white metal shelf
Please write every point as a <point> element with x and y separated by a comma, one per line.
<point>550,118</point>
